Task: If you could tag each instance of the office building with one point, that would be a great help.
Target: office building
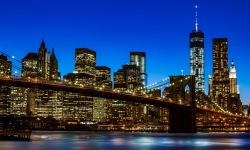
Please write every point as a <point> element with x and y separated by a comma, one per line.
<point>197,66</point>
<point>85,68</point>
<point>29,65</point>
<point>119,80</point>
<point>85,62</point>
<point>5,66</point>
<point>103,77</point>
<point>43,61</point>
<point>233,79</point>
<point>220,83</point>
<point>53,73</point>
<point>139,59</point>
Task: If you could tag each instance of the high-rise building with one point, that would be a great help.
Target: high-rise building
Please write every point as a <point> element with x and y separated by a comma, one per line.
<point>85,61</point>
<point>233,79</point>
<point>119,80</point>
<point>78,106</point>
<point>85,68</point>
<point>54,74</point>
<point>29,65</point>
<point>234,102</point>
<point>41,65</point>
<point>43,61</point>
<point>132,76</point>
<point>103,77</point>
<point>197,58</point>
<point>127,78</point>
<point>101,109</point>
<point>139,59</point>
<point>5,91</point>
<point>5,66</point>
<point>220,83</point>
<point>102,106</point>
<point>197,66</point>
<point>210,85</point>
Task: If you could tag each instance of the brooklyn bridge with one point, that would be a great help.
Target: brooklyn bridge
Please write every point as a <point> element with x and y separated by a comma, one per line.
<point>180,108</point>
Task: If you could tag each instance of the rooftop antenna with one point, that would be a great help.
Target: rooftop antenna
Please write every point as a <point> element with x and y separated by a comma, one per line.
<point>196,17</point>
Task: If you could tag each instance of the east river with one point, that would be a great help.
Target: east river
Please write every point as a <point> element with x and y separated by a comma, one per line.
<point>87,140</point>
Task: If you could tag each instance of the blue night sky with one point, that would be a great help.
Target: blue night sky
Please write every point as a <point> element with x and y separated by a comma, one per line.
<point>113,28</point>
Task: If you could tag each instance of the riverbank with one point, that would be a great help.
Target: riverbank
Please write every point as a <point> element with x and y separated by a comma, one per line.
<point>15,135</point>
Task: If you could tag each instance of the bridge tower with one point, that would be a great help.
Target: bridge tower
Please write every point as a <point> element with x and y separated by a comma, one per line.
<point>182,119</point>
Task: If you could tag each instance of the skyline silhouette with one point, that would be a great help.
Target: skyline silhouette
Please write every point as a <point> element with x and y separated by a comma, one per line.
<point>113,29</point>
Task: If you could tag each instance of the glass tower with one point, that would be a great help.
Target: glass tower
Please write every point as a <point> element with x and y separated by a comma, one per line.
<point>197,58</point>
<point>139,59</point>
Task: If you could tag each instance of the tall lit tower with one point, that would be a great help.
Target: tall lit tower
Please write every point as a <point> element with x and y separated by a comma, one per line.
<point>43,61</point>
<point>220,84</point>
<point>5,66</point>
<point>197,56</point>
<point>54,74</point>
<point>233,79</point>
<point>139,59</point>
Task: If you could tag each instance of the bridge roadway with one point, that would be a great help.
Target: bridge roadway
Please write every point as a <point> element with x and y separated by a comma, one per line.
<point>89,91</point>
<point>103,93</point>
<point>182,116</point>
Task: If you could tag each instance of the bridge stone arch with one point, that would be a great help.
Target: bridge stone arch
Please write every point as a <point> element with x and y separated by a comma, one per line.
<point>177,89</point>
<point>182,119</point>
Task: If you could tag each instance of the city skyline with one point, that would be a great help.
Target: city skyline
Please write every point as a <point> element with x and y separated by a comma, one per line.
<point>159,29</point>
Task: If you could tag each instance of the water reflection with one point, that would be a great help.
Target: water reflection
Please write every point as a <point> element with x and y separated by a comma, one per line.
<point>129,141</point>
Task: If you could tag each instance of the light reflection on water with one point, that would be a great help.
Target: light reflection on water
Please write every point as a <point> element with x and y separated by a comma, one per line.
<point>129,141</point>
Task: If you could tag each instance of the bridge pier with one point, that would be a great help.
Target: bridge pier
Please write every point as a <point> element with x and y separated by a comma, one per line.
<point>182,120</point>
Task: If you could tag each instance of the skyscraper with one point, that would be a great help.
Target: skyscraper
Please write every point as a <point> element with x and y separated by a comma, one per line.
<point>234,102</point>
<point>5,91</point>
<point>5,66</point>
<point>139,59</point>
<point>220,83</point>
<point>85,68</point>
<point>54,74</point>
<point>197,66</point>
<point>43,61</point>
<point>103,77</point>
<point>29,65</point>
<point>197,58</point>
<point>127,78</point>
<point>233,79</point>
<point>85,61</point>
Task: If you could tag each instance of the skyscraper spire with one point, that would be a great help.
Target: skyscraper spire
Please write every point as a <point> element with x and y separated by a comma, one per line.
<point>196,17</point>
<point>197,63</point>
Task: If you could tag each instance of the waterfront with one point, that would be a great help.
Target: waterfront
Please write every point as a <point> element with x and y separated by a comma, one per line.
<point>77,140</point>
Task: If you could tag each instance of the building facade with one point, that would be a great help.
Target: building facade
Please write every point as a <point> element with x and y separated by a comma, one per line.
<point>233,79</point>
<point>43,61</point>
<point>85,68</point>
<point>119,80</point>
<point>103,77</point>
<point>29,65</point>
<point>5,66</point>
<point>220,83</point>
<point>197,65</point>
<point>54,74</point>
<point>139,59</point>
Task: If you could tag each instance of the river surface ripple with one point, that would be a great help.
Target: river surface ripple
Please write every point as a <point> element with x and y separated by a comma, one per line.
<point>88,140</point>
